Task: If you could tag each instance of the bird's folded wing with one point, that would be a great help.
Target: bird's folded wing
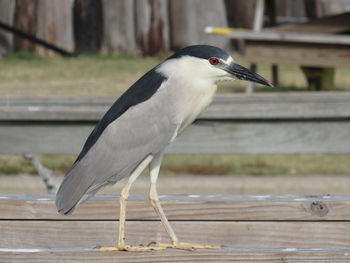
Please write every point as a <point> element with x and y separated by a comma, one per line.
<point>144,129</point>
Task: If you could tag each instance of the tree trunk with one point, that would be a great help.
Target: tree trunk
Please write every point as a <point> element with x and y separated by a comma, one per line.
<point>119,26</point>
<point>26,21</point>
<point>152,26</point>
<point>88,28</point>
<point>55,24</point>
<point>189,19</point>
<point>7,16</point>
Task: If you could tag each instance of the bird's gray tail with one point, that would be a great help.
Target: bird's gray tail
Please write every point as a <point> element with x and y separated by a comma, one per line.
<point>76,187</point>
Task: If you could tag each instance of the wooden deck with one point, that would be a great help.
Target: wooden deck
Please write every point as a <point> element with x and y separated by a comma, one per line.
<point>249,229</point>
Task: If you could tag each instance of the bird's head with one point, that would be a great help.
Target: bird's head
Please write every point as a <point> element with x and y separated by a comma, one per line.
<point>208,63</point>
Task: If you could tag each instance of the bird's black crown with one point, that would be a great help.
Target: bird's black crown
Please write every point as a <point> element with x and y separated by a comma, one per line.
<point>201,51</point>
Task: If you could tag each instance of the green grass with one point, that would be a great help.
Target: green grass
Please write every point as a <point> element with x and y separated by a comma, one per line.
<point>24,74</point>
<point>209,164</point>
<point>96,75</point>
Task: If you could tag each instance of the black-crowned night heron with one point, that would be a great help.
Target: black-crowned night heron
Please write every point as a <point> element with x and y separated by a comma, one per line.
<point>141,123</point>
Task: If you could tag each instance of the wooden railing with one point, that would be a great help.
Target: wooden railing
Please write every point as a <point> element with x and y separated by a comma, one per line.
<point>236,124</point>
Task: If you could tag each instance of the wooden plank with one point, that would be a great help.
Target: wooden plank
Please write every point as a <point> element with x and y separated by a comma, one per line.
<point>296,53</point>
<point>304,38</point>
<point>329,24</point>
<point>270,137</point>
<point>193,207</point>
<point>311,105</point>
<point>226,255</point>
<point>236,234</point>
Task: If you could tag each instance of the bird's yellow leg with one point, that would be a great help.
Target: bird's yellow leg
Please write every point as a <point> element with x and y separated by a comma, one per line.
<point>153,195</point>
<point>123,198</point>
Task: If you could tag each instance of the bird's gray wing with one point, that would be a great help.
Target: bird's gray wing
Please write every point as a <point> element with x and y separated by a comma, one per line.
<point>143,129</point>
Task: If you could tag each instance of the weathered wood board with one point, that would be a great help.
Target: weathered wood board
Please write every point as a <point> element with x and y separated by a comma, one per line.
<point>192,207</point>
<point>311,105</point>
<point>237,234</point>
<point>276,36</point>
<point>297,53</point>
<point>203,137</point>
<point>249,229</point>
<point>226,255</point>
<point>239,124</point>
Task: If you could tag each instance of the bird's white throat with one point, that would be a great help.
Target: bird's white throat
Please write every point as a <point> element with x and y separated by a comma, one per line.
<point>194,82</point>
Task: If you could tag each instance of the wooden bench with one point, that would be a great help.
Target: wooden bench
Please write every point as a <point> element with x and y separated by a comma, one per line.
<point>249,229</point>
<point>318,46</point>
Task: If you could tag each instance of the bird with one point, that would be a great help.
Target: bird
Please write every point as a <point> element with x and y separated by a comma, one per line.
<point>138,127</point>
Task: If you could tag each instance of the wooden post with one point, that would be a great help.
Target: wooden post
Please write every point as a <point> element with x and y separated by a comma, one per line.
<point>7,15</point>
<point>152,26</point>
<point>55,24</point>
<point>258,24</point>
<point>88,28</point>
<point>26,21</point>
<point>119,26</point>
<point>271,12</point>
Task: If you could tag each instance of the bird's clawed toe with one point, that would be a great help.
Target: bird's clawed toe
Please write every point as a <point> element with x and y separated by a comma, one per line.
<point>185,246</point>
<point>158,246</point>
<point>131,249</point>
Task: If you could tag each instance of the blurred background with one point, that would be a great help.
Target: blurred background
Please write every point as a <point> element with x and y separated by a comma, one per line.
<point>64,62</point>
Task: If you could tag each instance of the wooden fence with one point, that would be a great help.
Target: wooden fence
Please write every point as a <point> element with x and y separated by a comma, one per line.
<point>235,124</point>
<point>249,229</point>
<point>142,26</point>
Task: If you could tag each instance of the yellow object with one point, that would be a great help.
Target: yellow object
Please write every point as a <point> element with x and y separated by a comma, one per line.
<point>218,30</point>
<point>221,30</point>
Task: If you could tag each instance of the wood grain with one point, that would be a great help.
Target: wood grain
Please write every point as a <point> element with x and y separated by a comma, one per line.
<point>333,24</point>
<point>239,124</point>
<point>304,38</point>
<point>301,54</point>
<point>178,207</point>
<point>227,255</point>
<point>311,105</point>
<point>32,232</point>
<point>236,234</point>
<point>203,137</point>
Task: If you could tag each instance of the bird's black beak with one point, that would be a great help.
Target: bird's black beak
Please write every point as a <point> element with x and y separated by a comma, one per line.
<point>245,74</point>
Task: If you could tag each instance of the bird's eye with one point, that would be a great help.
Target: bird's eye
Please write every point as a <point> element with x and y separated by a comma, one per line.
<point>214,61</point>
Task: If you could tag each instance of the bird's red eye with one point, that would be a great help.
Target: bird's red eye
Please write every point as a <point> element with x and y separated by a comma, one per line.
<point>214,61</point>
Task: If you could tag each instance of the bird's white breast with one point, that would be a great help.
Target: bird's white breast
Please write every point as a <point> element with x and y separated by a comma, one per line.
<point>190,88</point>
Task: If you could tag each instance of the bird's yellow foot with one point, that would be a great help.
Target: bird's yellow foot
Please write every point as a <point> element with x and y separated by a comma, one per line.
<point>185,246</point>
<point>131,249</point>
